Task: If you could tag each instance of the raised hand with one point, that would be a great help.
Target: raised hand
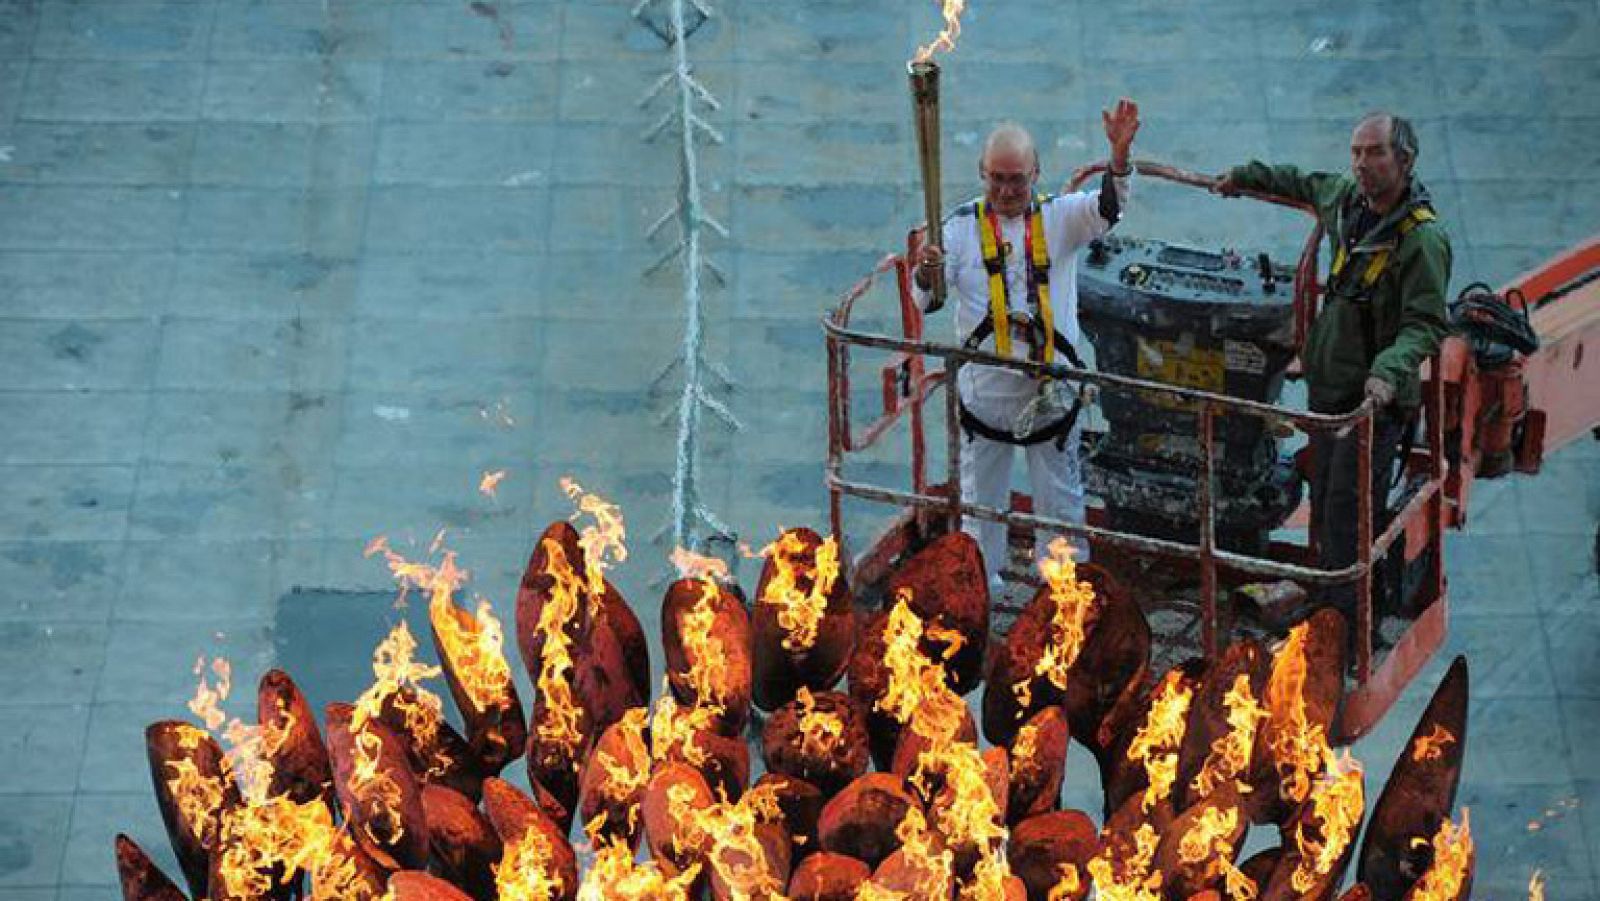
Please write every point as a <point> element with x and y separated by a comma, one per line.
<point>1121,125</point>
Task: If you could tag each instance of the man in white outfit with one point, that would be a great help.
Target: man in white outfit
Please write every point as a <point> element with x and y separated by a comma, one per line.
<point>993,260</point>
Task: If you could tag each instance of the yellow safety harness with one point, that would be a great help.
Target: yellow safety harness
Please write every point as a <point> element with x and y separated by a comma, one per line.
<point>1380,257</point>
<point>1038,256</point>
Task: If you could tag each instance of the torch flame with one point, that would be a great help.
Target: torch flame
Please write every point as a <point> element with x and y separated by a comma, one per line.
<point>1157,742</point>
<point>603,541</point>
<point>800,611</point>
<point>1230,753</point>
<point>1536,886</point>
<point>1452,858</point>
<point>946,41</point>
<point>1337,803</point>
<point>1075,610</point>
<point>1431,746</point>
<point>490,483</point>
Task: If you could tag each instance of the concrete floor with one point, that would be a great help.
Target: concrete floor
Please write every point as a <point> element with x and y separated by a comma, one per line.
<point>278,276</point>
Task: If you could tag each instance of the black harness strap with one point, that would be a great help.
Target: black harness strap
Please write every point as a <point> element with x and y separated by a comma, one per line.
<point>1057,431</point>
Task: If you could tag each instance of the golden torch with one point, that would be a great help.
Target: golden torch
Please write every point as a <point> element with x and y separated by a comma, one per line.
<point>924,74</point>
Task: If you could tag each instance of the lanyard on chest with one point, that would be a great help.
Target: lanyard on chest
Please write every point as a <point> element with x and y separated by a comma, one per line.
<point>1037,254</point>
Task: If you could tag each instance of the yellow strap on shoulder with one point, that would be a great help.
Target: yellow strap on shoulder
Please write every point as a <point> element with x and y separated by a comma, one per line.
<point>1380,260</point>
<point>998,311</point>
<point>1041,264</point>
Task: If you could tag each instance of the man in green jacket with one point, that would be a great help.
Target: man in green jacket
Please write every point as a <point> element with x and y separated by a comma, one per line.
<point>1382,316</point>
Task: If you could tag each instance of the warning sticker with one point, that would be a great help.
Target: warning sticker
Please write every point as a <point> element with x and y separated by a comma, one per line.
<point>1186,367</point>
<point>1245,357</point>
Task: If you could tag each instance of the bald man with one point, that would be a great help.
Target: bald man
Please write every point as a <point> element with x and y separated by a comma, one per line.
<point>1010,263</point>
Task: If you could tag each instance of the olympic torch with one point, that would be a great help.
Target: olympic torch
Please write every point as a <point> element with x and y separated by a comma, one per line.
<point>924,75</point>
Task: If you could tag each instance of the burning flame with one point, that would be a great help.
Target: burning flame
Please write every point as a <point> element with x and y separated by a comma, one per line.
<point>675,727</point>
<point>526,869</point>
<point>1024,749</point>
<point>491,482</point>
<point>396,680</point>
<point>820,730</point>
<point>1131,878</point>
<point>1209,841</point>
<point>1075,610</point>
<point>603,540</point>
<point>1337,803</point>
<point>800,611</point>
<point>1068,884</point>
<point>1536,886</point>
<point>1452,858</point>
<point>473,642</point>
<point>946,41</point>
<point>966,809</point>
<point>709,666</point>
<point>559,714</point>
<point>197,795</point>
<point>1157,742</point>
<point>614,876</point>
<point>1431,746</point>
<point>925,856</point>
<point>917,694</point>
<point>1299,748</point>
<point>725,833</point>
<point>1230,753</point>
<point>988,881</point>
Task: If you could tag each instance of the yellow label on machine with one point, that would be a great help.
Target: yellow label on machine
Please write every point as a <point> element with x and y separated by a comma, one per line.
<point>1195,367</point>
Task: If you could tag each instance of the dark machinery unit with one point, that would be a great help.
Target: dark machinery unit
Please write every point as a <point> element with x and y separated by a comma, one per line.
<point>1218,322</point>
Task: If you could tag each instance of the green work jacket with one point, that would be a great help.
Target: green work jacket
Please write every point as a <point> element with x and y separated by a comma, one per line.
<point>1381,320</point>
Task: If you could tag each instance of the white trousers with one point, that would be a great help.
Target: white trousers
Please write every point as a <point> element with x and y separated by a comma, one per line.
<point>1055,476</point>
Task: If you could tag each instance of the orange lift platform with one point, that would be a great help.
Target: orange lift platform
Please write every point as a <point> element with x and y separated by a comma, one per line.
<point>1487,411</point>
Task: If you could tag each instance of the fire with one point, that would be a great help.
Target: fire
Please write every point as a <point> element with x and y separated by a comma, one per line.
<point>1024,749</point>
<point>1337,803</point>
<point>946,41</point>
<point>988,881</point>
<point>1068,884</point>
<point>1075,610</point>
<point>525,871</point>
<point>725,833</point>
<point>603,541</point>
<point>708,672</point>
<point>1299,748</point>
<point>1536,886</point>
<point>917,694</point>
<point>820,730</point>
<point>1452,860</point>
<point>614,876</point>
<point>396,680</point>
<point>800,611</point>
<point>559,714</point>
<point>1431,746</point>
<point>277,837</point>
<point>675,726</point>
<point>925,856</point>
<point>473,642</point>
<point>1157,742</point>
<point>491,482</point>
<point>1209,841</point>
<point>207,701</point>
<point>1131,878</point>
<point>622,780</point>
<point>197,795</point>
<point>966,809</point>
<point>1230,753</point>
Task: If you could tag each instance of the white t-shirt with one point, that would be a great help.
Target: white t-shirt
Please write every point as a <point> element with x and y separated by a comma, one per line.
<point>1071,221</point>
